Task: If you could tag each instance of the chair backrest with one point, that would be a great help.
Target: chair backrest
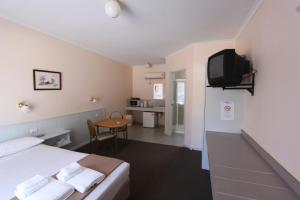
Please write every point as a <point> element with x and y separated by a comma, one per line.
<point>116,115</point>
<point>92,129</point>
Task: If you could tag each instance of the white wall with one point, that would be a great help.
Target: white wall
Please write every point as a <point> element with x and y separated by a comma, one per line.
<point>213,121</point>
<point>141,87</point>
<point>84,74</point>
<point>76,123</point>
<point>193,60</point>
<point>184,59</point>
<point>202,52</point>
<point>206,101</point>
<point>272,115</point>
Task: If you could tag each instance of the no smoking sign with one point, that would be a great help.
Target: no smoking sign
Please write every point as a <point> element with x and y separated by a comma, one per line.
<point>227,110</point>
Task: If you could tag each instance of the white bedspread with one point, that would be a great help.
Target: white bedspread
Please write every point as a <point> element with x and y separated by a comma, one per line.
<point>46,161</point>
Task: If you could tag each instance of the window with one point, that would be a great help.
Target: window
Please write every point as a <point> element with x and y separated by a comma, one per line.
<point>180,92</point>
<point>158,91</point>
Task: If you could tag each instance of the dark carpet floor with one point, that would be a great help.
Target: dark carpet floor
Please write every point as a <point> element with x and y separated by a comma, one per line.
<point>160,172</point>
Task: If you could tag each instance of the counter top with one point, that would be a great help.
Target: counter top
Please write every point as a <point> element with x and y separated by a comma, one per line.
<point>147,109</point>
<point>238,171</point>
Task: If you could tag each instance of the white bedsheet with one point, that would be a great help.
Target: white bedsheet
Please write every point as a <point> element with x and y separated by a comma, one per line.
<point>46,161</point>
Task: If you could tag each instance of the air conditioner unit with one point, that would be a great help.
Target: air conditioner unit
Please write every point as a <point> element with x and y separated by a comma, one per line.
<point>154,75</point>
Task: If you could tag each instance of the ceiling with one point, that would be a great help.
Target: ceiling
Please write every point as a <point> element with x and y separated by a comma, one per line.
<point>146,30</point>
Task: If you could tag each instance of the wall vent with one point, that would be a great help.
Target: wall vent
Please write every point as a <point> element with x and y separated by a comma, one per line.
<point>154,75</point>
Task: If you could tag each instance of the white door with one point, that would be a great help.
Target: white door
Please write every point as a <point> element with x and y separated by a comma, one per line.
<point>178,106</point>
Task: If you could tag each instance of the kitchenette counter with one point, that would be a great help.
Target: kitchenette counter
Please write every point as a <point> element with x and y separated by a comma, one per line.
<point>147,109</point>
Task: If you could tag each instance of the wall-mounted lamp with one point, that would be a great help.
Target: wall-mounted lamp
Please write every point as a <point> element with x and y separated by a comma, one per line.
<point>149,65</point>
<point>94,99</point>
<point>24,107</point>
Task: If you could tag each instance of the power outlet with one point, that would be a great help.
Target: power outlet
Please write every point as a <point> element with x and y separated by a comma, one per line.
<point>33,131</point>
<point>97,115</point>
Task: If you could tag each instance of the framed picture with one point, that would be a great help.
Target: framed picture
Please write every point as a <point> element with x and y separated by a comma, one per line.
<point>46,80</point>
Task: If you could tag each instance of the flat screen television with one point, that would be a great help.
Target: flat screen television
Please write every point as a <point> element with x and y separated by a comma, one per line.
<point>226,68</point>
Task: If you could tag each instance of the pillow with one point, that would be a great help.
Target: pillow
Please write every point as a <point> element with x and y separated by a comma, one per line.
<point>17,145</point>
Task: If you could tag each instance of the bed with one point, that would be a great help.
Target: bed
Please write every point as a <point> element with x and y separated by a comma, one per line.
<point>46,161</point>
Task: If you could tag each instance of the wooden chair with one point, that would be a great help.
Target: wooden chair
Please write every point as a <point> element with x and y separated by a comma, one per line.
<point>100,136</point>
<point>116,115</point>
<point>119,115</point>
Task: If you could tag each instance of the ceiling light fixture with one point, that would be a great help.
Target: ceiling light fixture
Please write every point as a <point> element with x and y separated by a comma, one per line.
<point>112,8</point>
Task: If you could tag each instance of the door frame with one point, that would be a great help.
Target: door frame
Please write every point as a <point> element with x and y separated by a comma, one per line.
<point>171,100</point>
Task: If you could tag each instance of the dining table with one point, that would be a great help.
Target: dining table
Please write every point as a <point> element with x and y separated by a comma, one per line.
<point>113,125</point>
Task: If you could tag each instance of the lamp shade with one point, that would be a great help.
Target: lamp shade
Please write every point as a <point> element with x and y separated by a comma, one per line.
<point>112,8</point>
<point>25,109</point>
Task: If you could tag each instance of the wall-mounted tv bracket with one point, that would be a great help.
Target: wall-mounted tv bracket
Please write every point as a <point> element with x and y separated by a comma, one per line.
<point>243,86</point>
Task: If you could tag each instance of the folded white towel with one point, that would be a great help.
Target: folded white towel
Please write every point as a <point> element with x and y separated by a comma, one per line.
<point>31,185</point>
<point>54,190</point>
<point>62,178</point>
<point>86,179</point>
<point>21,195</point>
<point>69,171</point>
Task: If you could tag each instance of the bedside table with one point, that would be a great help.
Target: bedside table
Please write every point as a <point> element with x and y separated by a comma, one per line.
<point>57,138</point>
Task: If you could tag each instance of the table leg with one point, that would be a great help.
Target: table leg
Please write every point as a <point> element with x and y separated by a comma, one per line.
<point>115,131</point>
<point>126,132</point>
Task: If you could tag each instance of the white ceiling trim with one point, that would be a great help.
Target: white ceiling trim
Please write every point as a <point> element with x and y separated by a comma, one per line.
<point>181,50</point>
<point>248,19</point>
<point>198,43</point>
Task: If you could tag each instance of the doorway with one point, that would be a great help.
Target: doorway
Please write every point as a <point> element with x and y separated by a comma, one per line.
<point>178,101</point>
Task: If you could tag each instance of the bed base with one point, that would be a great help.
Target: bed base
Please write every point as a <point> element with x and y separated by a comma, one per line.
<point>124,192</point>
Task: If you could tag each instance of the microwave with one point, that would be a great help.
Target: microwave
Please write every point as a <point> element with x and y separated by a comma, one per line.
<point>134,103</point>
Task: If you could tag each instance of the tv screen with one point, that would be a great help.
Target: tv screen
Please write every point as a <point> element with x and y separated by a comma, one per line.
<point>215,70</point>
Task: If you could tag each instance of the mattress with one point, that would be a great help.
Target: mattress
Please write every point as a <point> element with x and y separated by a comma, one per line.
<point>46,161</point>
